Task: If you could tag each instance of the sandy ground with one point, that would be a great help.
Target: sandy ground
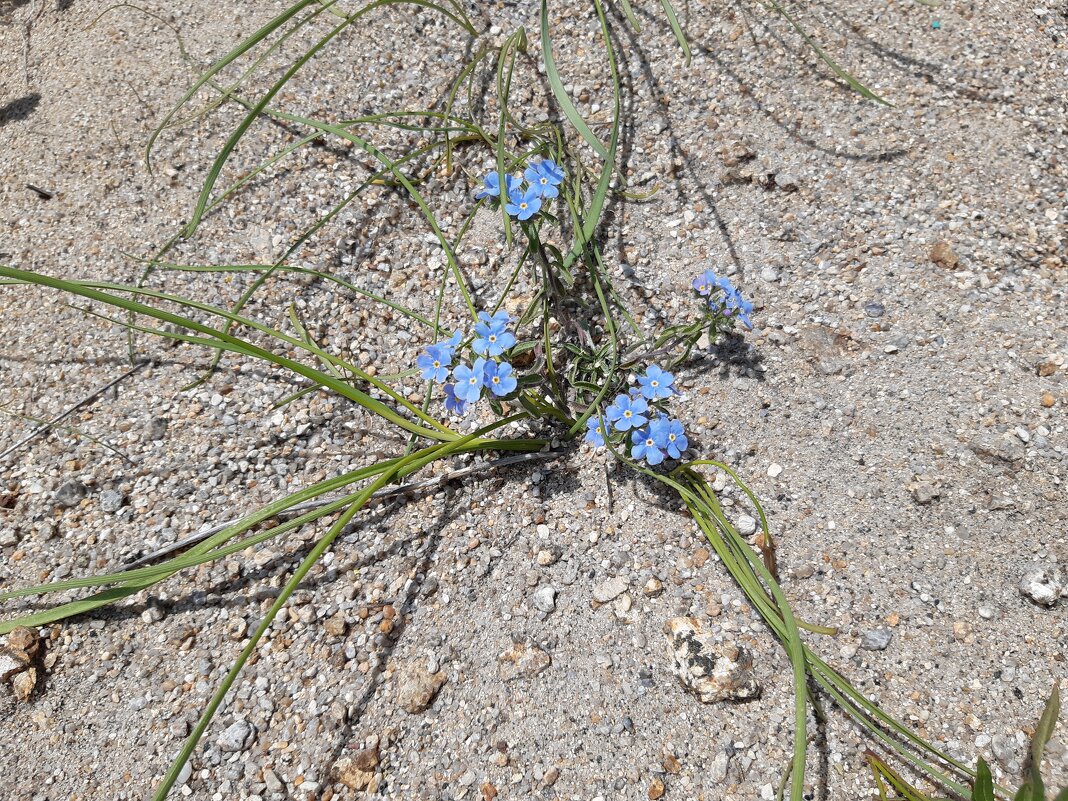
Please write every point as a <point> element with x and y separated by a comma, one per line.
<point>903,416</point>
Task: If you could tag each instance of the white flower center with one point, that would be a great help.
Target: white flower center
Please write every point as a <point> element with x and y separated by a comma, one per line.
<point>492,337</point>
<point>523,206</point>
<point>649,443</point>
<point>626,414</point>
<point>655,383</point>
<point>671,437</point>
<point>472,381</point>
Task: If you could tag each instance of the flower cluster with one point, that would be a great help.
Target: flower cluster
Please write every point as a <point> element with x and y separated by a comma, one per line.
<point>638,422</point>
<point>723,297</point>
<point>523,199</point>
<point>491,339</point>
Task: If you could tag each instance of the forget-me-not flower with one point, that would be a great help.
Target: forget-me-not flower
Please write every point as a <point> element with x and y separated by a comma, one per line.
<point>656,384</point>
<point>491,185</point>
<point>451,343</point>
<point>705,283</point>
<point>523,204</point>
<point>492,337</point>
<point>434,362</point>
<point>669,435</point>
<point>646,447</point>
<point>725,284</point>
<point>545,176</point>
<point>452,403</point>
<point>740,307</point>
<point>469,381</point>
<point>499,378</point>
<point>595,432</point>
<point>499,318</point>
<point>626,413</point>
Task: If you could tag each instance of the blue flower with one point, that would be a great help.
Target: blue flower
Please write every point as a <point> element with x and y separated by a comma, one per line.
<point>669,435</point>
<point>492,185</point>
<point>434,362</point>
<point>523,205</point>
<point>451,343</point>
<point>452,403</point>
<point>739,307</point>
<point>492,337</point>
<point>545,176</point>
<point>469,381</point>
<point>499,378</point>
<point>705,283</point>
<point>656,384</point>
<point>627,412</point>
<point>595,432</point>
<point>646,447</point>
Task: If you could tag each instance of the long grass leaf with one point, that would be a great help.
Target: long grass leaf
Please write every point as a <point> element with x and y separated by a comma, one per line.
<point>220,339</point>
<point>983,789</point>
<point>584,233</point>
<point>676,29</point>
<point>853,83</point>
<point>264,101</point>
<point>221,64</point>
<point>557,87</point>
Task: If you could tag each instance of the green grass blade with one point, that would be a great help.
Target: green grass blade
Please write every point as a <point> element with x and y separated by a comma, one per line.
<point>884,771</point>
<point>983,788</point>
<point>517,42</point>
<point>304,344</point>
<point>853,83</point>
<point>220,339</point>
<point>791,642</point>
<point>290,586</point>
<point>432,453</point>
<point>1034,788</point>
<point>221,64</point>
<point>246,523</point>
<point>557,87</point>
<point>411,314</point>
<point>584,233</point>
<point>629,13</point>
<point>676,29</point>
<point>264,101</point>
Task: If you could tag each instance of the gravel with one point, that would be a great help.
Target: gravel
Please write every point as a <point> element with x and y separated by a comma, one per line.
<point>238,736</point>
<point>70,493</point>
<point>876,639</point>
<point>610,589</point>
<point>545,599</point>
<point>1042,584</point>
<point>946,210</point>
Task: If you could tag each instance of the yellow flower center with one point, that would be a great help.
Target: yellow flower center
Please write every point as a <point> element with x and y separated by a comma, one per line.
<point>626,414</point>
<point>496,380</point>
<point>523,206</point>
<point>437,363</point>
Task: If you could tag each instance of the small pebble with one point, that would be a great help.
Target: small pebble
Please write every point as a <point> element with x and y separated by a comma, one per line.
<point>876,639</point>
<point>545,599</point>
